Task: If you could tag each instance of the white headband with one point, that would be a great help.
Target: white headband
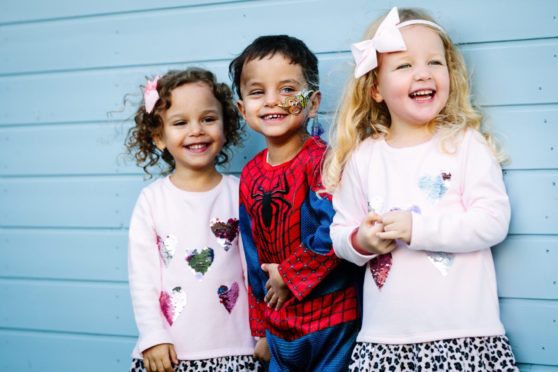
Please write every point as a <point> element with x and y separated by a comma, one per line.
<point>387,38</point>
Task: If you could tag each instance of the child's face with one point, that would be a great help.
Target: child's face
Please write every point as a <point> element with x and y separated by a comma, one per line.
<point>265,84</point>
<point>414,83</point>
<point>193,128</point>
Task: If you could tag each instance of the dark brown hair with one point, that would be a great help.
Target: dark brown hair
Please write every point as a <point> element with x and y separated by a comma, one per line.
<point>140,139</point>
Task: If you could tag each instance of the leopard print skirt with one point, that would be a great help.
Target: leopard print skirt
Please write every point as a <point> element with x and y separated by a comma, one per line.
<point>235,363</point>
<point>460,354</point>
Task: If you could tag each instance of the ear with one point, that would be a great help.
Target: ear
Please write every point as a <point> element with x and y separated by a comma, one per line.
<point>241,108</point>
<point>159,142</point>
<point>375,93</point>
<point>315,100</point>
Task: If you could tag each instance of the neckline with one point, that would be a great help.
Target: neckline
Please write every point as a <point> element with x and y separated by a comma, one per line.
<point>167,181</point>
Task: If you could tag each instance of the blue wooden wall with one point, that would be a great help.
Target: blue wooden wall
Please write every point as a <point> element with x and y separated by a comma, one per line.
<point>66,193</point>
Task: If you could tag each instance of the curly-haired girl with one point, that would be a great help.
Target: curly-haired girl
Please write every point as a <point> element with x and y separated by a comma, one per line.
<point>185,267</point>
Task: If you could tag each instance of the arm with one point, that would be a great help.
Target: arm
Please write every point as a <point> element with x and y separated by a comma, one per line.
<point>354,229</point>
<point>144,277</point>
<point>485,219</point>
<point>256,278</point>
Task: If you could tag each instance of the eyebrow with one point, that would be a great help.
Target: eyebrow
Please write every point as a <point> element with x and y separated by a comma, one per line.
<point>284,81</point>
<point>205,112</point>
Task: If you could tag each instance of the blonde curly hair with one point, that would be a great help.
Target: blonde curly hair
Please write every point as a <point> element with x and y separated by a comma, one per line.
<point>359,116</point>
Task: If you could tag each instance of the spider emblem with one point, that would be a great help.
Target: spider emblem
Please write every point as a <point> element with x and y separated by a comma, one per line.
<point>268,204</point>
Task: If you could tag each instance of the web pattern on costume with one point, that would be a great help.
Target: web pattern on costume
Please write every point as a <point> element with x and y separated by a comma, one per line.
<point>275,199</point>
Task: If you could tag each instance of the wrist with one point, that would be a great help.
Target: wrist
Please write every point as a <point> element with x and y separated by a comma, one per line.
<point>356,245</point>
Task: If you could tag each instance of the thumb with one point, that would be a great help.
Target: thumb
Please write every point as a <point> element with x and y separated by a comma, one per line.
<point>264,267</point>
<point>174,358</point>
<point>371,218</point>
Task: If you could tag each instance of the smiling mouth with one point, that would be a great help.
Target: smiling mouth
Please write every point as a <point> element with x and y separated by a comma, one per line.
<point>197,146</point>
<point>273,116</point>
<point>423,94</point>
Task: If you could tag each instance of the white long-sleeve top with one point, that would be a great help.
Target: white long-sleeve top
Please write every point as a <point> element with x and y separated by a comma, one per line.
<point>186,271</point>
<point>443,284</point>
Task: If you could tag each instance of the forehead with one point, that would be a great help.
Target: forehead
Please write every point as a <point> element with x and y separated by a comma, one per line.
<point>192,97</point>
<point>421,37</point>
<point>274,68</point>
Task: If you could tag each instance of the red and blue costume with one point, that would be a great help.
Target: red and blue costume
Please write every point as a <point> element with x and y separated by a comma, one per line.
<point>284,220</point>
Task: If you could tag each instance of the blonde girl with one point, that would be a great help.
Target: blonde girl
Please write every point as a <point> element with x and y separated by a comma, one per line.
<point>419,198</point>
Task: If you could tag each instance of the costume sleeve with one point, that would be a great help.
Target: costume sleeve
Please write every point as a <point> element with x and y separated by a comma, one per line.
<point>256,277</point>
<point>314,259</point>
<point>486,216</point>
<point>144,277</point>
<point>350,205</point>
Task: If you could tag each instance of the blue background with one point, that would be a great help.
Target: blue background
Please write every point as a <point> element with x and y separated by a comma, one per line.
<point>66,191</point>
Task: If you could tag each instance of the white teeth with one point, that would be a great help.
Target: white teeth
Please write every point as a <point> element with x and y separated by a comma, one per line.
<point>425,92</point>
<point>197,146</point>
<point>272,116</point>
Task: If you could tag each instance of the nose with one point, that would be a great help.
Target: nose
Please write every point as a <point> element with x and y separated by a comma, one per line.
<point>271,98</point>
<point>196,128</point>
<point>422,73</point>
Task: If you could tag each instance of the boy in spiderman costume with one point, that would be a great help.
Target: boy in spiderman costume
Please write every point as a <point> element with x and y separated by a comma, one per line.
<point>304,301</point>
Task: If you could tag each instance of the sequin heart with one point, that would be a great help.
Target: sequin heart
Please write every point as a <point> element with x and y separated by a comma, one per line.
<point>228,296</point>
<point>435,186</point>
<point>441,260</point>
<point>379,267</point>
<point>225,232</point>
<point>167,247</point>
<point>172,304</point>
<point>200,261</point>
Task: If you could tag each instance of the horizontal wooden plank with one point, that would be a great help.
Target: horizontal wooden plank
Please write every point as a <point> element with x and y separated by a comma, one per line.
<point>534,199</point>
<point>491,70</point>
<point>536,368</point>
<point>107,202</point>
<point>124,36</point>
<point>68,202</point>
<point>508,126</point>
<point>70,254</point>
<point>33,10</point>
<point>76,307</point>
<point>526,267</point>
<point>36,351</point>
<point>489,64</point>
<point>103,144</point>
<point>532,327</point>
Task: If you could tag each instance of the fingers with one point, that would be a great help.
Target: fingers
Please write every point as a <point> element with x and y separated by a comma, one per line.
<point>174,357</point>
<point>146,365</point>
<point>371,218</point>
<point>265,268</point>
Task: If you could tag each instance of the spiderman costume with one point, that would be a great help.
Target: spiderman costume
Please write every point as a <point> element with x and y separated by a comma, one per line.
<point>284,221</point>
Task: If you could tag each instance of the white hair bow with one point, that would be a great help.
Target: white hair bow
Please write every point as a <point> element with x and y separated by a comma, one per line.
<point>388,38</point>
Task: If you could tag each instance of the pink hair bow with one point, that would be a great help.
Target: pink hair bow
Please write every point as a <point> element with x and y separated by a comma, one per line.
<point>150,94</point>
<point>388,38</point>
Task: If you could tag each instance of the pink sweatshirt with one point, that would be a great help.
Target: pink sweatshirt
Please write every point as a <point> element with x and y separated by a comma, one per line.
<point>443,284</point>
<point>186,272</point>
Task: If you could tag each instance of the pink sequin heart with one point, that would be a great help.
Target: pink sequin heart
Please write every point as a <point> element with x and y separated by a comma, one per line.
<point>228,296</point>
<point>172,304</point>
<point>379,267</point>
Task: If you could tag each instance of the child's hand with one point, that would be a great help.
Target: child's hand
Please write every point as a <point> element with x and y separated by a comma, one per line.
<point>160,358</point>
<point>397,225</point>
<point>277,290</point>
<point>368,235</point>
<point>261,351</point>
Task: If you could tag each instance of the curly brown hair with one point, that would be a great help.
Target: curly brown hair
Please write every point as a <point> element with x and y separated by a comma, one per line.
<point>140,139</point>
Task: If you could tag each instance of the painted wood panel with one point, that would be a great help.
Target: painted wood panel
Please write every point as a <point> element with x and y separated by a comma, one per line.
<point>102,149</point>
<point>491,66</point>
<point>33,11</point>
<point>106,202</point>
<point>534,197</point>
<point>124,36</point>
<point>91,202</point>
<point>83,255</point>
<point>532,327</point>
<point>39,351</point>
<point>67,306</point>
<point>526,267</point>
